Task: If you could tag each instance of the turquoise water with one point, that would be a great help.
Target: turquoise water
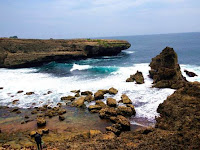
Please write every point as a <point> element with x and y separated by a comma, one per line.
<point>144,47</point>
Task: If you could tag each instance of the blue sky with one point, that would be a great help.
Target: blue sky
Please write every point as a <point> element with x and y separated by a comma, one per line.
<point>97,18</point>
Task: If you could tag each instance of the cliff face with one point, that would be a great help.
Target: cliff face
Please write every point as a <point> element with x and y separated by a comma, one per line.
<point>165,70</point>
<point>28,52</point>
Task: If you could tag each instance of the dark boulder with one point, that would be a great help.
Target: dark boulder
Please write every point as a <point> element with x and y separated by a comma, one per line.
<point>137,77</point>
<point>190,74</point>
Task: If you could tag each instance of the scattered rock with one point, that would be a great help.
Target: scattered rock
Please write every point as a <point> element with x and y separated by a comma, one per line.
<point>49,92</point>
<point>86,93</point>
<point>68,98</point>
<point>79,102</point>
<point>190,74</point>
<point>61,118</point>
<point>94,108</point>
<point>29,93</point>
<point>45,131</point>
<point>165,70</point>
<point>20,92</point>
<point>15,101</point>
<point>111,102</point>
<point>137,77</point>
<point>112,91</point>
<point>61,111</point>
<point>99,95</point>
<point>115,128</point>
<point>75,91</point>
<point>108,136</point>
<point>124,122</point>
<point>32,133</point>
<point>125,111</point>
<point>14,109</point>
<point>100,103</point>
<point>94,133</point>
<point>34,111</point>
<point>89,98</point>
<point>77,95</point>
<point>41,122</point>
<point>125,99</point>
<point>107,112</point>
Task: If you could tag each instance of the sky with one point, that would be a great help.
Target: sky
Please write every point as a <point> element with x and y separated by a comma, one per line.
<point>97,18</point>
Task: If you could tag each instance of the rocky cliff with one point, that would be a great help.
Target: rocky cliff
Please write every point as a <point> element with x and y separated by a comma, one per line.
<point>165,70</point>
<point>31,52</point>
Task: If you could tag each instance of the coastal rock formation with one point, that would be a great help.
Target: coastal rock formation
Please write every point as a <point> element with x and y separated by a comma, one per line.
<point>99,95</point>
<point>112,91</point>
<point>165,70</point>
<point>137,77</point>
<point>79,102</point>
<point>32,52</point>
<point>125,99</point>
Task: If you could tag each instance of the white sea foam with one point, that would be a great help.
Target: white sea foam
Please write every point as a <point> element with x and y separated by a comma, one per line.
<point>145,98</point>
<point>80,67</point>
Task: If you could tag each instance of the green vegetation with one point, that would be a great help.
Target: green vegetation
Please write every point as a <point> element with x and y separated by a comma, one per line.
<point>13,37</point>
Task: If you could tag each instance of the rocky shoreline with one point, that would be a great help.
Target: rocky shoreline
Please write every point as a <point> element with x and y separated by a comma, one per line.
<point>177,127</point>
<point>18,53</point>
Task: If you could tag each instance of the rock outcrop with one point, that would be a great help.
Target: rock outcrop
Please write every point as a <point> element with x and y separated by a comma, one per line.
<point>165,70</point>
<point>137,77</point>
<point>33,52</point>
<point>190,74</point>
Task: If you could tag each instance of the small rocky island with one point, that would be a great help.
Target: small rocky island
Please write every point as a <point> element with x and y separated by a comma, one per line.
<point>15,53</point>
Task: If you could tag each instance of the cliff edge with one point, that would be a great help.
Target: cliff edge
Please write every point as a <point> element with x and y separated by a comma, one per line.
<point>15,53</point>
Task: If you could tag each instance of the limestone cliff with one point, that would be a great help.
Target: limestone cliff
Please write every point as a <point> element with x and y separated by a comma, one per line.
<point>32,52</point>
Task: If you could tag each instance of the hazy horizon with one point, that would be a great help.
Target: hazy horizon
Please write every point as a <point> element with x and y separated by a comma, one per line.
<point>98,18</point>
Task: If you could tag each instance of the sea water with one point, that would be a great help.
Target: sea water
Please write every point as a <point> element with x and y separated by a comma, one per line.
<point>103,73</point>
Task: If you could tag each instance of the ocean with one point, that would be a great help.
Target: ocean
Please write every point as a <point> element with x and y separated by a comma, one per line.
<point>103,73</point>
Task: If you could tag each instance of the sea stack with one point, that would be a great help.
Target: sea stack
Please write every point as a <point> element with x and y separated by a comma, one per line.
<point>165,70</point>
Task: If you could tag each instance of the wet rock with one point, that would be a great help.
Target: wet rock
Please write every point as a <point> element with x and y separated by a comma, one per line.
<point>77,95</point>
<point>111,102</point>
<point>124,122</point>
<point>86,93</point>
<point>32,133</point>
<point>132,107</point>
<point>115,128</point>
<point>50,113</point>
<point>89,98</point>
<point>61,111</point>
<point>49,92</point>
<point>94,108</point>
<point>125,99</point>
<point>68,98</point>
<point>1,88</point>
<point>26,116</point>
<point>61,118</point>
<point>99,95</point>
<point>107,112</point>
<point>59,104</point>
<point>75,91</point>
<point>100,103</point>
<point>112,91</point>
<point>34,111</point>
<point>125,111</point>
<point>29,93</point>
<point>14,109</point>
<point>165,70</point>
<point>108,136</point>
<point>190,74</point>
<point>18,92</point>
<point>41,122</point>
<point>15,101</point>
<point>94,133</point>
<point>18,112</point>
<point>104,91</point>
<point>45,131</point>
<point>137,77</point>
<point>79,102</point>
